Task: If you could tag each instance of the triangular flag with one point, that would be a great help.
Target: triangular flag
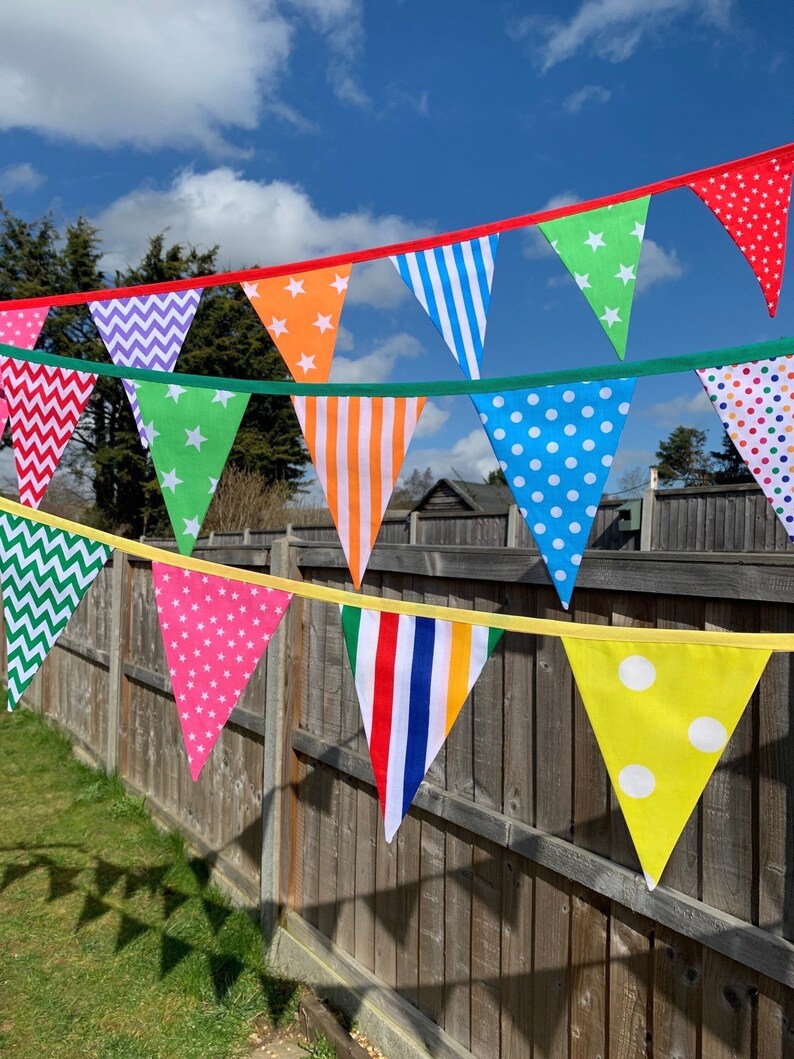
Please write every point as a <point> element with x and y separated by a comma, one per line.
<point>146,332</point>
<point>601,250</point>
<point>301,314</point>
<point>190,432</point>
<point>752,205</point>
<point>662,715</point>
<point>44,405</point>
<point>453,285</point>
<point>412,677</point>
<point>555,445</point>
<point>755,405</point>
<point>358,445</point>
<point>215,630</point>
<point>44,574</point>
<point>21,327</point>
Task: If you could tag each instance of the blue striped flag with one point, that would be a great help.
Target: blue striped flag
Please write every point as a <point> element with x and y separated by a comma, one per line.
<point>453,284</point>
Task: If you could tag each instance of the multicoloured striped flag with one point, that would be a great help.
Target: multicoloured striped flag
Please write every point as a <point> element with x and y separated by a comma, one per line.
<point>453,284</point>
<point>412,677</point>
<point>358,445</point>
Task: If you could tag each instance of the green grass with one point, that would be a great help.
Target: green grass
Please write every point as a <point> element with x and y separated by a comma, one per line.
<point>114,945</point>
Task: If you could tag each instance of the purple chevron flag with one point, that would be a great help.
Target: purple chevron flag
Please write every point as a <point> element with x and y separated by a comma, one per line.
<point>145,332</point>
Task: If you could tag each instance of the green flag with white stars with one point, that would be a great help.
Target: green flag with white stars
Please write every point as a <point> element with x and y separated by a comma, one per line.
<point>601,250</point>
<point>190,431</point>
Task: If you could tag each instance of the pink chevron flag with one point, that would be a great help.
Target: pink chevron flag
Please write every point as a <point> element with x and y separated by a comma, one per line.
<point>44,405</point>
<point>146,332</point>
<point>215,631</point>
<point>21,327</point>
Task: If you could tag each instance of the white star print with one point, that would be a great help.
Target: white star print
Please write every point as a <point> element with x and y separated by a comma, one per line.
<point>594,240</point>
<point>295,287</point>
<point>626,273</point>
<point>251,289</point>
<point>222,397</point>
<point>194,438</point>
<point>610,317</point>
<point>638,231</point>
<point>306,363</point>
<point>170,481</point>
<point>323,323</point>
<point>582,282</point>
<point>149,432</point>
<point>278,327</point>
<point>340,283</point>
<point>192,527</point>
<point>175,392</point>
<point>213,484</point>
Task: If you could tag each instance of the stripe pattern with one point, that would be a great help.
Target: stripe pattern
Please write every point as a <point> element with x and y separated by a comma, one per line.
<point>146,332</point>
<point>44,405</point>
<point>412,676</point>
<point>358,445</point>
<point>45,573</point>
<point>453,285</point>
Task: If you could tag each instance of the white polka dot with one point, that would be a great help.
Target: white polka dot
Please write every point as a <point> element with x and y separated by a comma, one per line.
<point>483,417</point>
<point>571,461</point>
<point>532,398</point>
<point>707,734</point>
<point>606,461</point>
<point>605,393</point>
<point>538,528</point>
<point>637,781</point>
<point>624,407</point>
<point>535,465</point>
<point>572,494</point>
<point>591,510</point>
<point>554,479</point>
<point>537,496</point>
<point>589,477</point>
<point>569,396</point>
<point>570,430</point>
<point>503,465</point>
<point>588,445</point>
<point>515,417</point>
<point>560,575</point>
<point>534,432</point>
<point>519,481</point>
<point>606,427</point>
<point>575,527</point>
<point>552,446</point>
<point>588,411</point>
<point>523,511</point>
<point>551,413</point>
<point>637,673</point>
<point>498,402</point>
<point>517,450</point>
<point>555,512</point>
<point>499,433</point>
<point>545,558</point>
<point>558,543</point>
<point>576,559</point>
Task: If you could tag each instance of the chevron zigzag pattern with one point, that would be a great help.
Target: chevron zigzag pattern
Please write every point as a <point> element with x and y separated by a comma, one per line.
<point>44,405</point>
<point>45,573</point>
<point>146,332</point>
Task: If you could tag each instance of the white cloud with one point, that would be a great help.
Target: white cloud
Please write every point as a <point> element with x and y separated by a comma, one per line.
<point>682,409</point>
<point>582,96</point>
<point>253,223</point>
<point>431,421</point>
<point>154,74</point>
<point>656,265</point>
<point>376,366</point>
<point>613,29</point>
<point>471,458</point>
<point>536,245</point>
<point>20,177</point>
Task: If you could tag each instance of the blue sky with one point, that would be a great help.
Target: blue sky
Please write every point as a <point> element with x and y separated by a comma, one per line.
<point>285,129</point>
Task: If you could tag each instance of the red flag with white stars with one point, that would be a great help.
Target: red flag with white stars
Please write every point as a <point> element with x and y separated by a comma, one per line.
<point>215,631</point>
<point>21,327</point>
<point>752,203</point>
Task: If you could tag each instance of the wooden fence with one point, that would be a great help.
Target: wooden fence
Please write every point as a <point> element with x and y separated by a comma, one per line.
<point>508,919</point>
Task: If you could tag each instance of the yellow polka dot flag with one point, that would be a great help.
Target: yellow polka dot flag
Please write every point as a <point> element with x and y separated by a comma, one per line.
<point>662,715</point>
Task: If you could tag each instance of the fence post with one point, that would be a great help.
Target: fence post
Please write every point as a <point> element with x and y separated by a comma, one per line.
<point>648,511</point>
<point>512,526</point>
<point>118,628</point>
<point>246,536</point>
<point>413,527</point>
<point>272,792</point>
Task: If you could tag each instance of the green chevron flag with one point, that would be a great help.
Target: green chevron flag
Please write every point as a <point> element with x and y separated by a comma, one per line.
<point>190,432</point>
<point>45,573</point>
<point>601,250</point>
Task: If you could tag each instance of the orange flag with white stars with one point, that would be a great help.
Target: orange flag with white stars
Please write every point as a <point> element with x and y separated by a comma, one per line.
<point>301,314</point>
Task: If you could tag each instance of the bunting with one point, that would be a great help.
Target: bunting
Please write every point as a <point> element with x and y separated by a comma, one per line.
<point>3,410</point>
<point>145,332</point>
<point>44,574</point>
<point>752,204</point>
<point>412,677</point>
<point>453,286</point>
<point>301,314</point>
<point>21,327</point>
<point>555,445</point>
<point>358,445</point>
<point>601,250</point>
<point>662,715</point>
<point>755,403</point>
<point>44,405</point>
<point>190,432</point>
<point>215,631</point>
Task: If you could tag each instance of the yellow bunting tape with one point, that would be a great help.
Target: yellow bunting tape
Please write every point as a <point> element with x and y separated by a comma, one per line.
<point>508,622</point>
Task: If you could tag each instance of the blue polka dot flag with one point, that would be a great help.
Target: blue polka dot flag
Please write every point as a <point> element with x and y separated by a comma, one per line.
<point>555,445</point>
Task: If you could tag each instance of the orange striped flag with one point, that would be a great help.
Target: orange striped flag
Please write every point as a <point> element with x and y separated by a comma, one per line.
<point>358,445</point>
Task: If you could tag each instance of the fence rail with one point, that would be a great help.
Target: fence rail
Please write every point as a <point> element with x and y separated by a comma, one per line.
<point>508,919</point>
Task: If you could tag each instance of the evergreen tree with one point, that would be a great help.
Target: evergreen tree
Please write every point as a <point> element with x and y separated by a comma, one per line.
<point>682,458</point>
<point>730,467</point>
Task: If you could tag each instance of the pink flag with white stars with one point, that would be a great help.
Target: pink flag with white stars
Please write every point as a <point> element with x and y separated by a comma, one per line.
<point>215,631</point>
<point>753,203</point>
<point>21,327</point>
